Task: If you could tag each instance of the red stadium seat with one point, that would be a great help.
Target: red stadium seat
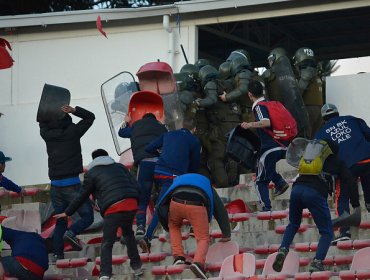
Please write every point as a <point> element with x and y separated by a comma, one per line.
<point>95,240</point>
<point>353,244</point>
<point>238,265</point>
<point>239,217</point>
<point>116,259</point>
<point>278,215</point>
<point>167,270</point>
<point>72,263</point>
<point>237,206</point>
<point>304,261</point>
<point>360,266</point>
<point>266,249</point>
<point>281,229</point>
<point>306,247</point>
<point>365,225</point>
<point>260,263</point>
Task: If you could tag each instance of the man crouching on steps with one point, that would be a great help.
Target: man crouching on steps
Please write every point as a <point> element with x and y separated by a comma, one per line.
<point>117,193</point>
<point>191,197</point>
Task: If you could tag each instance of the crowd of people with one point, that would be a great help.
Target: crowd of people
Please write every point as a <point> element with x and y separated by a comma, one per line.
<point>185,166</point>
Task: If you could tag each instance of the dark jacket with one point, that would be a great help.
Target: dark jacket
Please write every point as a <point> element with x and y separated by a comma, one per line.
<point>199,184</point>
<point>108,181</point>
<point>28,245</point>
<point>141,133</point>
<point>63,146</point>
<point>180,152</point>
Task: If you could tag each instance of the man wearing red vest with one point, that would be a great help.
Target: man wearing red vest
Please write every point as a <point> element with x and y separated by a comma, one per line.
<point>271,151</point>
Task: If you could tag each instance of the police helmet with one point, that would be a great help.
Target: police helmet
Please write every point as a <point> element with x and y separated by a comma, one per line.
<point>238,64</point>
<point>191,70</point>
<point>275,54</point>
<point>224,70</point>
<point>303,54</point>
<point>239,53</point>
<point>207,73</point>
<point>327,110</point>
<point>125,88</point>
<point>200,63</point>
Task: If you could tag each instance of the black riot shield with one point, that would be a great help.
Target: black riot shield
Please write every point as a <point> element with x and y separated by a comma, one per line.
<point>288,87</point>
<point>52,99</point>
<point>243,146</point>
<point>116,93</point>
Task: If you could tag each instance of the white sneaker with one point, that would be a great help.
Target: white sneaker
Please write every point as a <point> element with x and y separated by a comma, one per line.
<point>104,278</point>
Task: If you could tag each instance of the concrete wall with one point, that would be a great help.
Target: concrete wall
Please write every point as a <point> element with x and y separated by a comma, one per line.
<point>350,93</point>
<point>79,60</point>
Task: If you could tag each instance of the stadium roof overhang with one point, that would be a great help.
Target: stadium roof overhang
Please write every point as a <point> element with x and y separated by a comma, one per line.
<point>333,29</point>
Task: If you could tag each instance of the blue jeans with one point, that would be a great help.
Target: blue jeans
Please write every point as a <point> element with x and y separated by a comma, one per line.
<point>145,177</point>
<point>113,221</point>
<point>14,269</point>
<point>164,184</point>
<point>266,172</point>
<point>303,197</point>
<point>60,198</point>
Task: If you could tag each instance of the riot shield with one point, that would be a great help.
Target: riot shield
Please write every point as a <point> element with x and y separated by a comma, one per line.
<point>116,94</point>
<point>296,150</point>
<point>243,146</point>
<point>52,99</point>
<point>292,99</point>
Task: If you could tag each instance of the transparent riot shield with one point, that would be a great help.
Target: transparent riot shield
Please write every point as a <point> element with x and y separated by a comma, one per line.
<point>296,150</point>
<point>116,94</point>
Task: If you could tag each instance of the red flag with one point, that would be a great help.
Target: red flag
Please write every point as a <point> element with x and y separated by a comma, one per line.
<point>99,26</point>
<point>6,61</point>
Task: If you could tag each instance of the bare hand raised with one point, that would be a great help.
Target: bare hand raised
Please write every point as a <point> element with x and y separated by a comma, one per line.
<point>68,109</point>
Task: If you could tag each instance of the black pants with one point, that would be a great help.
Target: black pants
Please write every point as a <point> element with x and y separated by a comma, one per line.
<point>112,222</point>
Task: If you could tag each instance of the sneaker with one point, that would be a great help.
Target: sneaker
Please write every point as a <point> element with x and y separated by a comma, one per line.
<point>316,265</point>
<point>139,271</point>
<point>104,278</point>
<point>180,260</point>
<point>140,230</point>
<point>279,260</point>
<point>343,236</point>
<point>54,258</point>
<point>281,190</point>
<point>72,240</point>
<point>198,270</point>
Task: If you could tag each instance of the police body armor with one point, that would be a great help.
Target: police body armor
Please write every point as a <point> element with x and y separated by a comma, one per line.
<point>51,102</point>
<point>310,86</point>
<point>288,92</point>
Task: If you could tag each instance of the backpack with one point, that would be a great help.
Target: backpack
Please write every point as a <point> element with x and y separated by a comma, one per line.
<point>314,156</point>
<point>283,125</point>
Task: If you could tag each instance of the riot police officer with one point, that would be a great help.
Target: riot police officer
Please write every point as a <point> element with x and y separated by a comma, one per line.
<point>310,87</point>
<point>282,86</point>
<point>223,116</point>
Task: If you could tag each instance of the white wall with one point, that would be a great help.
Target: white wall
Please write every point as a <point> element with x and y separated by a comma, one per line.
<point>350,93</point>
<point>79,60</point>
